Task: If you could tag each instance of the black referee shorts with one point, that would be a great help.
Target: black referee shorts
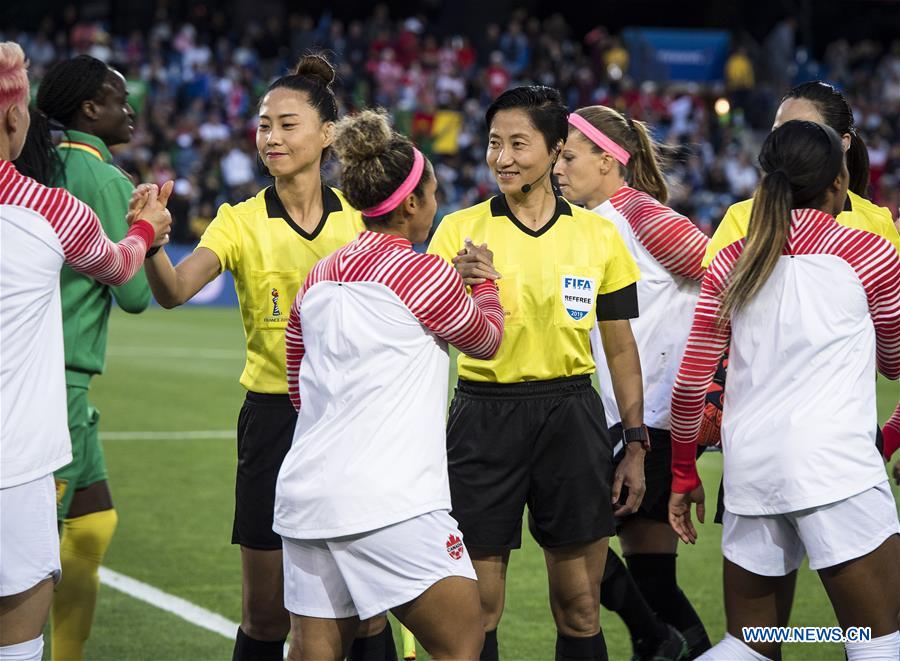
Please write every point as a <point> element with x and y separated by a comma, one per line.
<point>657,473</point>
<point>264,435</point>
<point>544,443</point>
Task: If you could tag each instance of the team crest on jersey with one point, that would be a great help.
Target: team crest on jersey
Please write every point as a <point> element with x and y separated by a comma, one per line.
<point>455,547</point>
<point>577,295</point>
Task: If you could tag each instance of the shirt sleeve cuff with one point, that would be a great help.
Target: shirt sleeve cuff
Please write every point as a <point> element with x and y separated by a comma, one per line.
<point>685,481</point>
<point>891,441</point>
<point>486,286</point>
<point>143,229</point>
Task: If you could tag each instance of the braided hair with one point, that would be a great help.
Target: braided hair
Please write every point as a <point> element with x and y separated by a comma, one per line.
<point>66,86</point>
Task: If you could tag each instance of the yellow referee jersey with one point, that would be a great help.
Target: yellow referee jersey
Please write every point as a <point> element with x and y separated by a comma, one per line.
<point>269,256</point>
<point>858,213</point>
<point>551,281</point>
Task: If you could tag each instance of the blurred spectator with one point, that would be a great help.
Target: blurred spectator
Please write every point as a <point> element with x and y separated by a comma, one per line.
<point>742,176</point>
<point>195,85</point>
<point>780,48</point>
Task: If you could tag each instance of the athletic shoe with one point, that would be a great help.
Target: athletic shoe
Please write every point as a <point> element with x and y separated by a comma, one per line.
<point>672,648</point>
<point>697,641</point>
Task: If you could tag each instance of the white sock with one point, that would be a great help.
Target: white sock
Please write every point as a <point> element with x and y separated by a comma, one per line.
<point>732,649</point>
<point>883,647</point>
<point>30,650</point>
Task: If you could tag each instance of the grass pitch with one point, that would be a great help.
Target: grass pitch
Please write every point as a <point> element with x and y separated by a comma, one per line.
<point>177,371</point>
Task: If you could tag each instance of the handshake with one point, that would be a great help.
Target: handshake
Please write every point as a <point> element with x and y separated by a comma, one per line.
<point>475,264</point>
<point>148,202</point>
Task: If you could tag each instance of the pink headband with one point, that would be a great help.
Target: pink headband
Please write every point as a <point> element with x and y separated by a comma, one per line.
<point>599,138</point>
<point>408,186</point>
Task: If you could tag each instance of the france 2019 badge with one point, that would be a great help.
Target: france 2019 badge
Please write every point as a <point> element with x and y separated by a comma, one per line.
<point>276,312</point>
<point>577,295</point>
<point>276,316</point>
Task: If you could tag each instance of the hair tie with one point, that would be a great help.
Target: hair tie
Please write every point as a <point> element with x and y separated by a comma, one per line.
<point>408,186</point>
<point>52,124</point>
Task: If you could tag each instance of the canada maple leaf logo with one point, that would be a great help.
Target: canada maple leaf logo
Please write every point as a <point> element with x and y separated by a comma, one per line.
<point>455,547</point>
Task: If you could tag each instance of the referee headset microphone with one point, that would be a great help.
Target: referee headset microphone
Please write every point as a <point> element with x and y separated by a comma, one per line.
<point>527,187</point>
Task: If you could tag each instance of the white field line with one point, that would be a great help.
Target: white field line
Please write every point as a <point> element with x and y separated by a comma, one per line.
<point>192,613</point>
<point>174,352</point>
<point>166,435</point>
<point>179,607</point>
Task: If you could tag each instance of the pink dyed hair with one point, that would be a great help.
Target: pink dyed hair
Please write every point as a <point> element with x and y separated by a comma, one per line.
<point>14,86</point>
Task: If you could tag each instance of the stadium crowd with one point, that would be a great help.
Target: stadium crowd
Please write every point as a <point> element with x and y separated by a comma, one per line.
<point>798,289</point>
<point>195,83</point>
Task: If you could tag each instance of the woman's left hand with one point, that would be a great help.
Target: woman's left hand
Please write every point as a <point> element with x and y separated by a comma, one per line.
<point>630,473</point>
<point>680,513</point>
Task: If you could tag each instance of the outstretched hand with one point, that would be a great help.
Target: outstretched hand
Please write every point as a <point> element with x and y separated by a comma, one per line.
<point>148,202</point>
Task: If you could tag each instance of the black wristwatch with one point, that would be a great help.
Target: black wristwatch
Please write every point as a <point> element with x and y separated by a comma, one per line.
<point>637,435</point>
<point>152,251</point>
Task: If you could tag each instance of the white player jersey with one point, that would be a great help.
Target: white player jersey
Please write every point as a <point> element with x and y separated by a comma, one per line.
<point>367,366</point>
<point>798,427</point>
<point>35,434</point>
<point>668,249</point>
<point>40,229</point>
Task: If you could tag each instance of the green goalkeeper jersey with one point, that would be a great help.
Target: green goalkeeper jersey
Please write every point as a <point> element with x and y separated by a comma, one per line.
<point>92,178</point>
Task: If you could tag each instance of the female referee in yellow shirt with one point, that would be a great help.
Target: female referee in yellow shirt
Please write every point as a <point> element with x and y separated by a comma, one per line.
<point>269,243</point>
<point>527,426</point>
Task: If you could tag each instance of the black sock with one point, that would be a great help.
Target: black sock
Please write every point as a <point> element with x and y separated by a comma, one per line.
<point>592,648</point>
<point>250,649</point>
<point>490,651</point>
<point>655,575</point>
<point>379,647</point>
<point>620,594</point>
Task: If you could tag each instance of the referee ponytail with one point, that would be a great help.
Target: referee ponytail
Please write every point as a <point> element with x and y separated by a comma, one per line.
<point>643,171</point>
<point>800,162</point>
<point>838,114</point>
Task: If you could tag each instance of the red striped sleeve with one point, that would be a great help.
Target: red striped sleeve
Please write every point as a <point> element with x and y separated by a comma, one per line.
<point>706,343</point>
<point>86,247</point>
<point>673,240</point>
<point>873,259</point>
<point>430,288</point>
<point>434,292</point>
<point>877,265</point>
<point>294,349</point>
<point>891,433</point>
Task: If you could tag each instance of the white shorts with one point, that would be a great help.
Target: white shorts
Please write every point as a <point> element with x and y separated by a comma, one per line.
<point>372,572</point>
<point>29,540</point>
<point>775,545</point>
